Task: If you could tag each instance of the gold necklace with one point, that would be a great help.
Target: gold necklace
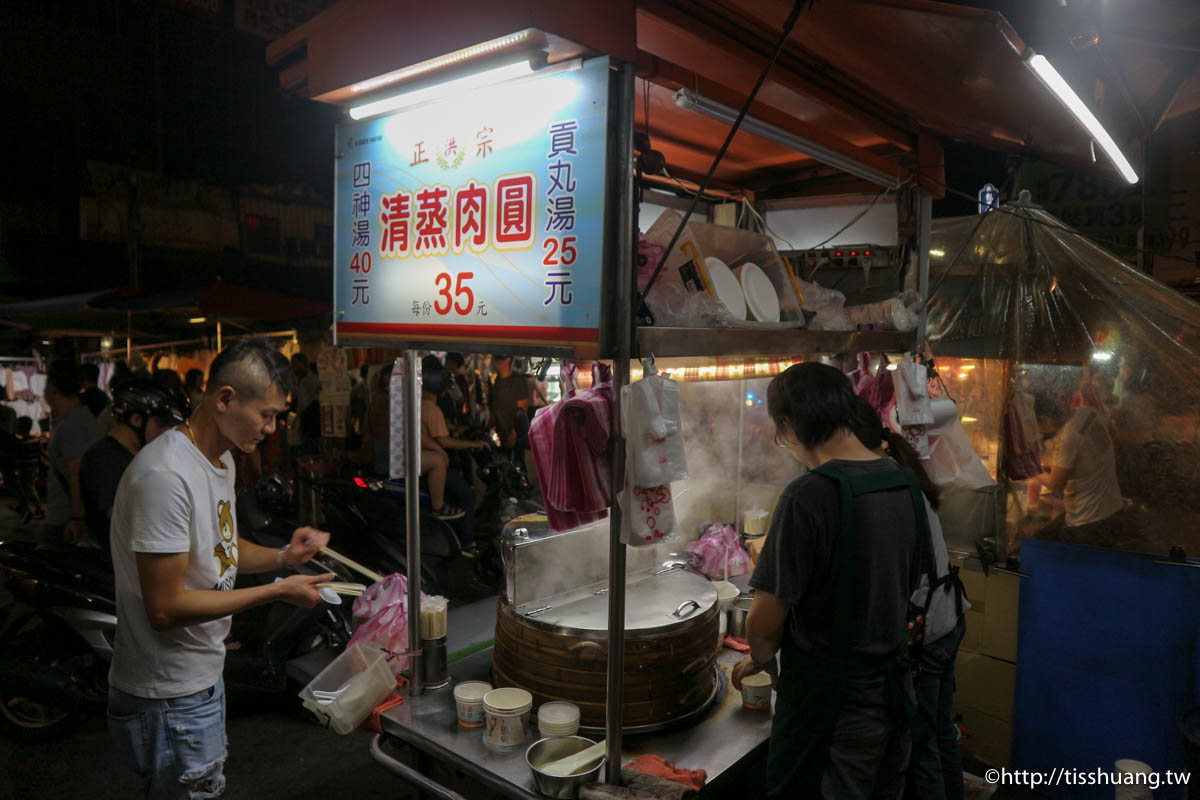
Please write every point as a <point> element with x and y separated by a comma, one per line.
<point>188,424</point>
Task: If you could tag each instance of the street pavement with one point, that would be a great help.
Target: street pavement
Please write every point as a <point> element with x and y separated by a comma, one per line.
<point>274,751</point>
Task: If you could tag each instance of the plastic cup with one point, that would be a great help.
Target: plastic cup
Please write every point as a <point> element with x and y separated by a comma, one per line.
<point>558,718</point>
<point>756,691</point>
<point>468,699</point>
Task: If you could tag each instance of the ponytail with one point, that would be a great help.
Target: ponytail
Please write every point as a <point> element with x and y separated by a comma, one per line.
<point>904,454</point>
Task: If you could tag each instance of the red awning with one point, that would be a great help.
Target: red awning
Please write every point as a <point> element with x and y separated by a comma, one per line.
<point>881,81</point>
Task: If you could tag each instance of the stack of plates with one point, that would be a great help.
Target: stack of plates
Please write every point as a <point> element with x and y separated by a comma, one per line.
<point>558,718</point>
<point>726,287</point>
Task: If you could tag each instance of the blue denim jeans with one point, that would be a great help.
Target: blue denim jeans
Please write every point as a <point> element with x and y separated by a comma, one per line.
<point>176,746</point>
<point>936,771</point>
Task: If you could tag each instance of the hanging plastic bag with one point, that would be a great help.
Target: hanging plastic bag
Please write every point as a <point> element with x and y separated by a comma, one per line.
<point>655,434</point>
<point>953,464</point>
<point>381,618</point>
<point>716,545</point>
<point>652,515</point>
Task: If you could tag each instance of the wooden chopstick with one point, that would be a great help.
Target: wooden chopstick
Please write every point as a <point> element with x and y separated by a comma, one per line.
<point>370,573</point>
<point>348,589</point>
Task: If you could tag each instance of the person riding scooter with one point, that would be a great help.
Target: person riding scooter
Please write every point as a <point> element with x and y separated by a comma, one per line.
<point>142,410</point>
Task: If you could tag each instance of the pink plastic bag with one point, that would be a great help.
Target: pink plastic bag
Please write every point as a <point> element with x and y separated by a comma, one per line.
<point>381,618</point>
<point>712,546</point>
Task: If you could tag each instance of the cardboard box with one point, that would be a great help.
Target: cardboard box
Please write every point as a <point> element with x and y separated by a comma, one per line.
<point>973,637</point>
<point>990,738</point>
<point>985,684</point>
<point>1001,612</point>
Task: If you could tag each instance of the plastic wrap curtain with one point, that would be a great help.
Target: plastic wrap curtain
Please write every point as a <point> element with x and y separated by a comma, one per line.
<point>1029,305</point>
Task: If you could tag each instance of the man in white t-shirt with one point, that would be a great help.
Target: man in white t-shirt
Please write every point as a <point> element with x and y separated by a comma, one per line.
<point>176,555</point>
<point>1084,469</point>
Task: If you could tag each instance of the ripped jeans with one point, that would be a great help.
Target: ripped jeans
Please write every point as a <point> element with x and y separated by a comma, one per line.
<point>177,746</point>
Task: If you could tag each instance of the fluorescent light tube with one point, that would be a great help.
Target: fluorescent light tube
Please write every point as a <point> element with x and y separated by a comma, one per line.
<point>1050,78</point>
<point>691,101</point>
<point>443,89</point>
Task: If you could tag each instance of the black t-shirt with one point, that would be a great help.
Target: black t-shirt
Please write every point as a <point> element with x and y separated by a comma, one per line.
<point>100,472</point>
<point>798,560</point>
<point>95,399</point>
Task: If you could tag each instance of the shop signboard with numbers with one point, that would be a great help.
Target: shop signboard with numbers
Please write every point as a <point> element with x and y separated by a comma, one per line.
<point>478,217</point>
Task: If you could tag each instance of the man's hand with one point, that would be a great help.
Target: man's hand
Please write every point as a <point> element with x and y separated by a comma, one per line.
<point>301,590</point>
<point>747,667</point>
<point>76,531</point>
<point>306,543</point>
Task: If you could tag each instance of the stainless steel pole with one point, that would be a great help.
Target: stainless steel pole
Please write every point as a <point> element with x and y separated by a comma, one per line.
<point>622,169</point>
<point>924,221</point>
<point>412,509</point>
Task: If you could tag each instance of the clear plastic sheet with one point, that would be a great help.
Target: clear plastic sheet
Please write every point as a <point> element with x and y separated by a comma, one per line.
<point>1020,304</point>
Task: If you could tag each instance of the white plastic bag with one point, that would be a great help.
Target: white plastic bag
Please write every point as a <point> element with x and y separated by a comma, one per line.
<point>655,436</point>
<point>829,306</point>
<point>652,512</point>
<point>953,464</point>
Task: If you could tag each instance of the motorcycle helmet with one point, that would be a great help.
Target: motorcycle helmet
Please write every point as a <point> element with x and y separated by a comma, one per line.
<point>150,399</point>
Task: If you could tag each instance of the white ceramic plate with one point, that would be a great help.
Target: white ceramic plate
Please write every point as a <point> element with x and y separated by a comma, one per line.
<point>726,286</point>
<point>760,293</point>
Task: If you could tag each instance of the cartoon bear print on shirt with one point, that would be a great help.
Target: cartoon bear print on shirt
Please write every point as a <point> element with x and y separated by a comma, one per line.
<point>226,551</point>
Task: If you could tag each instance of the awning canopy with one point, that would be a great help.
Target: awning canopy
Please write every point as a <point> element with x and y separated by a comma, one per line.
<point>160,315</point>
<point>883,82</point>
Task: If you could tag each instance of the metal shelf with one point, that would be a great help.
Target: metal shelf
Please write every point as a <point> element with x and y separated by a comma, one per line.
<point>717,342</point>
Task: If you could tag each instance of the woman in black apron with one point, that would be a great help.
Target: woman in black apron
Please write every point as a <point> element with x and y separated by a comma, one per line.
<point>847,546</point>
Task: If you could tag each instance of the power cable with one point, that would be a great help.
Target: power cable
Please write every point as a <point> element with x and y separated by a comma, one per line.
<point>784,34</point>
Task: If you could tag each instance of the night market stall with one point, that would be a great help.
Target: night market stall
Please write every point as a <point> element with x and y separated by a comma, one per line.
<point>488,181</point>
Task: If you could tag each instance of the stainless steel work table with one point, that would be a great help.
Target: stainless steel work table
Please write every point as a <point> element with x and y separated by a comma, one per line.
<point>725,736</point>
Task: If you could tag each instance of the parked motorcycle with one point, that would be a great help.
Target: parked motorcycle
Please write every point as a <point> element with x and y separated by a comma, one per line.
<point>507,495</point>
<point>56,637</point>
<point>367,521</point>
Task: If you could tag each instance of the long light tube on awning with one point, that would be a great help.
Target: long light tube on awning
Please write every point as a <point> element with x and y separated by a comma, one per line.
<point>1050,78</point>
<point>691,101</point>
<point>438,90</point>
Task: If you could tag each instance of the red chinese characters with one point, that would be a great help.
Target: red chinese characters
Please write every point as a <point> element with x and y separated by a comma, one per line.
<point>470,218</point>
<point>395,213</point>
<point>431,221</point>
<point>516,214</point>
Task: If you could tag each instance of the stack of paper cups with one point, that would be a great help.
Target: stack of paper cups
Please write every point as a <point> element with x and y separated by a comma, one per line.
<point>507,714</point>
<point>1134,777</point>
<point>558,718</point>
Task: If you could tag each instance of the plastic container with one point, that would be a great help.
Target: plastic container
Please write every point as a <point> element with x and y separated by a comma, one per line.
<point>468,699</point>
<point>726,593</point>
<point>558,718</point>
<point>507,715</point>
<point>756,691</point>
<point>347,691</point>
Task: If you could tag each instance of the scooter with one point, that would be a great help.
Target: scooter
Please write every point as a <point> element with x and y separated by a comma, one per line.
<point>507,495</point>
<point>56,637</point>
<point>366,518</point>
